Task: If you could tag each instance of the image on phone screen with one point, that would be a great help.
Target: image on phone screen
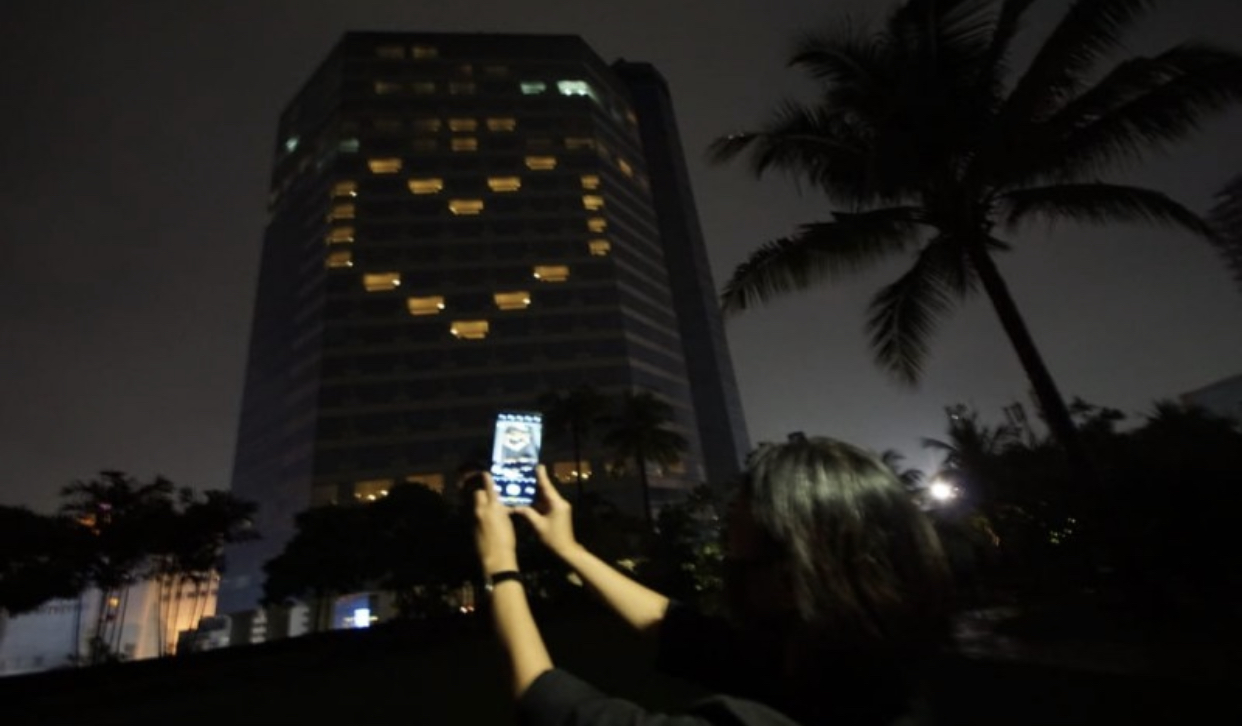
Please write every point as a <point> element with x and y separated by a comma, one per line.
<point>515,453</point>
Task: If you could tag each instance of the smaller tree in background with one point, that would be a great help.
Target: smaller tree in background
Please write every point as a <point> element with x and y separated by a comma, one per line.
<point>574,414</point>
<point>638,434</point>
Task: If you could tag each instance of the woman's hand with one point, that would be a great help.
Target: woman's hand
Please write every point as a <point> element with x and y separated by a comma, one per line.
<point>493,531</point>
<point>551,517</point>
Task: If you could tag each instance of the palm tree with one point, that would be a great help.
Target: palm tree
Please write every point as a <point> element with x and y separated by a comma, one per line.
<point>1227,218</point>
<point>910,478</point>
<point>638,433</point>
<point>972,449</point>
<point>574,413</point>
<point>932,146</point>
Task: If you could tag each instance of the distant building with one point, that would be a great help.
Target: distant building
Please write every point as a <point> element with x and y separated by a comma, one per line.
<point>143,621</point>
<point>460,223</point>
<point>1223,398</point>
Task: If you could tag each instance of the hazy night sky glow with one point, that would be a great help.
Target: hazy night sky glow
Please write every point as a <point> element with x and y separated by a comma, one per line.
<point>135,148</point>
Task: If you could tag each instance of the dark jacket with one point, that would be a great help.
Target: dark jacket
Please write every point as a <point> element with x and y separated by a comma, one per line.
<point>745,672</point>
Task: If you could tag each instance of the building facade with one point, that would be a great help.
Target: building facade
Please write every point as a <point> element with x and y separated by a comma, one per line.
<point>459,224</point>
<point>145,620</point>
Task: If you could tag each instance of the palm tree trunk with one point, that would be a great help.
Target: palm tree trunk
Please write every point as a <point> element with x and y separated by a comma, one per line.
<point>1055,412</point>
<point>577,463</point>
<point>641,460</point>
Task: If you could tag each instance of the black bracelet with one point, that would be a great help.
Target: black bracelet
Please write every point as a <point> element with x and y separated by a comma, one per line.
<point>491,581</point>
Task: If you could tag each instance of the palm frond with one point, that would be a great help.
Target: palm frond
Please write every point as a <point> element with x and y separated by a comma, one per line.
<point>1087,31</point>
<point>1098,203</point>
<point>828,149</point>
<point>1008,21</point>
<point>820,251</point>
<point>1141,109</point>
<point>903,315</point>
<point>841,57</point>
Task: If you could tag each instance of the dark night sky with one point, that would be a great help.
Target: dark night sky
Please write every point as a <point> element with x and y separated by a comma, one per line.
<point>134,148</point>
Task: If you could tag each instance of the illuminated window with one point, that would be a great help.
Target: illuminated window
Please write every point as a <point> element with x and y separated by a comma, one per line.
<point>597,224</point>
<point>427,124</point>
<point>551,273</point>
<point>625,167</point>
<point>599,247</point>
<point>590,181</point>
<point>463,124</point>
<point>340,258</point>
<point>348,146</point>
<point>504,183</point>
<point>434,482</point>
<point>387,165</point>
<point>567,471</point>
<point>533,88</point>
<point>517,300</point>
<point>424,52</point>
<point>430,305</point>
<point>380,281</point>
<point>341,211</point>
<point>423,88</point>
<point>496,71</point>
<point>465,207</point>
<point>465,143</point>
<point>541,163</point>
<point>465,69</point>
<point>461,88</point>
<point>430,185</point>
<point>345,189</point>
<point>425,146</point>
<point>388,125</point>
<point>575,88</point>
<point>390,52</point>
<point>469,329</point>
<point>576,143</point>
<point>386,88</point>
<point>592,202</point>
<point>340,234</point>
<point>501,123</point>
<point>372,489</point>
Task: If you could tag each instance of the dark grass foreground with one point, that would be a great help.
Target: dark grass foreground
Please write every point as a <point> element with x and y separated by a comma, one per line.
<point>450,673</point>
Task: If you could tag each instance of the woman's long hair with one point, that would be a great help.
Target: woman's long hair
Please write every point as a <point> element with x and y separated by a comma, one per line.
<point>864,565</point>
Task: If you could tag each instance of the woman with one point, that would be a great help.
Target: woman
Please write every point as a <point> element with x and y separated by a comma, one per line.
<point>836,583</point>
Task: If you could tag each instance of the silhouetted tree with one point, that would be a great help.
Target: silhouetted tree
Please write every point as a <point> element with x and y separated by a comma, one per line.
<point>574,413</point>
<point>931,140</point>
<point>638,433</point>
<point>40,559</point>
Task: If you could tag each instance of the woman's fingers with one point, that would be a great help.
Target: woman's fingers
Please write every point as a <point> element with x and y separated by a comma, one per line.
<point>546,486</point>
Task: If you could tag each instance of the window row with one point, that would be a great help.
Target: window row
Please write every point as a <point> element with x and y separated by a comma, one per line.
<point>337,369</point>
<point>567,87</point>
<point>387,281</point>
<point>474,207</point>
<point>350,336</point>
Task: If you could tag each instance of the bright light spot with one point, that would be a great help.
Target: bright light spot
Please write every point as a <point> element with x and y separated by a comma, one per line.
<point>362,617</point>
<point>941,490</point>
<point>291,143</point>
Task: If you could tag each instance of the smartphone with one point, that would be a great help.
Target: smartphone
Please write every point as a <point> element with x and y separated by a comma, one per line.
<point>515,453</point>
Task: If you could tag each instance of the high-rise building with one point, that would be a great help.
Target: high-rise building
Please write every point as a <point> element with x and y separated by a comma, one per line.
<point>459,224</point>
